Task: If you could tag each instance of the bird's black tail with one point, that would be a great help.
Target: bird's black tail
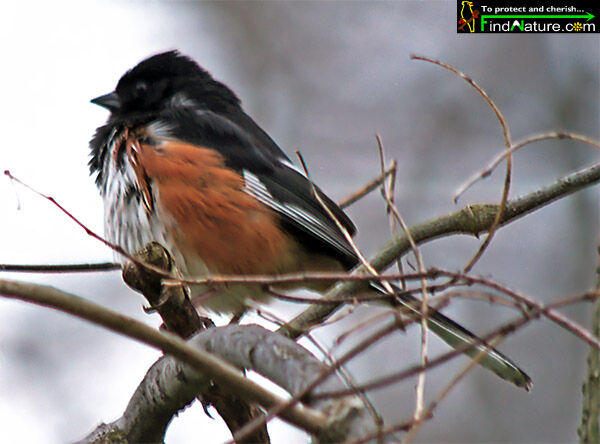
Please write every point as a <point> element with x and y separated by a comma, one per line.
<point>460,338</point>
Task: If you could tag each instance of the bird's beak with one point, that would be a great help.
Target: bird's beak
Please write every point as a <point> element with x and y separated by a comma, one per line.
<point>110,101</point>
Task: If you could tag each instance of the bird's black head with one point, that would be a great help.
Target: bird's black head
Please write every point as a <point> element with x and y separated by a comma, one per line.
<point>160,81</point>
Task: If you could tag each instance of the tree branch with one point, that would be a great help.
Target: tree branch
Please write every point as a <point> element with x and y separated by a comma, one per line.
<point>589,429</point>
<point>169,385</point>
<point>214,367</point>
<point>473,219</point>
<point>60,268</point>
<point>180,317</point>
<point>167,388</point>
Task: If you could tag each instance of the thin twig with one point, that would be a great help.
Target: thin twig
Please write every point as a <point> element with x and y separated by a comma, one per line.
<point>497,219</point>
<point>60,268</point>
<point>509,161</point>
<point>420,389</point>
<point>373,320</point>
<point>428,413</point>
<point>501,332</point>
<point>341,227</point>
<point>343,373</point>
<point>344,203</point>
<point>413,425</point>
<point>473,220</point>
<point>547,310</point>
<point>486,172</point>
<point>477,88</point>
<point>88,231</point>
<point>349,380</point>
<point>394,378</point>
<point>382,433</point>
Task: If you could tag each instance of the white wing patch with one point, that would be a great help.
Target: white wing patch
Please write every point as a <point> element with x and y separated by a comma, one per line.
<point>256,188</point>
<point>320,229</point>
<point>291,166</point>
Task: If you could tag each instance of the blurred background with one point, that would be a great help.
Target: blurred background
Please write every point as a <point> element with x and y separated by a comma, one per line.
<point>322,78</point>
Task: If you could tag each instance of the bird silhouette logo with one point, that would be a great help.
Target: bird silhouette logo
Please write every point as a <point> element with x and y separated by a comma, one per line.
<point>466,21</point>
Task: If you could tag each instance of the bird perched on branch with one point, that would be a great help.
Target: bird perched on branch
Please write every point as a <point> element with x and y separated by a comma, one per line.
<point>179,162</point>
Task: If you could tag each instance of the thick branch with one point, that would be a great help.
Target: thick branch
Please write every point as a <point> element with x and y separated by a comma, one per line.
<point>167,388</point>
<point>169,385</point>
<point>589,429</point>
<point>172,303</point>
<point>292,367</point>
<point>180,317</point>
<point>214,367</point>
<point>255,348</point>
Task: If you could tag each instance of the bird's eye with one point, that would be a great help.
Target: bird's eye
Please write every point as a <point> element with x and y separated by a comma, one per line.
<point>141,87</point>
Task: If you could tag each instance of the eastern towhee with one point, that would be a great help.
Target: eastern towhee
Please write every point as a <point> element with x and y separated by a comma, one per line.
<point>179,162</point>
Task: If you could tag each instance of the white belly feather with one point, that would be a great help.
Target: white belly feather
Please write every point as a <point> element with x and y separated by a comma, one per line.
<point>128,224</point>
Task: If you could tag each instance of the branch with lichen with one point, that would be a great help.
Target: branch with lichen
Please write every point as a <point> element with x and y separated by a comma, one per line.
<point>589,428</point>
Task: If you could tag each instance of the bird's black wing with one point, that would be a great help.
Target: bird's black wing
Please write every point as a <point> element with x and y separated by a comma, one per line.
<point>273,180</point>
<point>269,176</point>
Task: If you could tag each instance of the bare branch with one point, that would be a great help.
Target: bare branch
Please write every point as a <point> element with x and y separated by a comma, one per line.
<point>547,310</point>
<point>486,172</point>
<point>589,428</point>
<point>477,88</point>
<point>494,336</point>
<point>420,389</point>
<point>207,363</point>
<point>60,268</point>
<point>509,160</point>
<point>474,220</point>
<point>180,317</point>
<point>169,384</point>
<point>167,388</point>
<point>88,231</point>
<point>354,197</point>
<point>315,386</point>
<point>394,378</point>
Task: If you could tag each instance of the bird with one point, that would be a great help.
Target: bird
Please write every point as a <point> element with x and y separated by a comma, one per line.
<point>179,162</point>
